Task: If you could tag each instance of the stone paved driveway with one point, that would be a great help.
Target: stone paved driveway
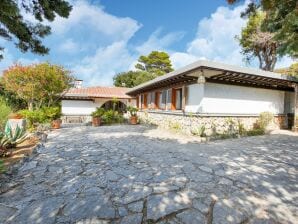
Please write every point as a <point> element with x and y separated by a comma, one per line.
<point>134,174</point>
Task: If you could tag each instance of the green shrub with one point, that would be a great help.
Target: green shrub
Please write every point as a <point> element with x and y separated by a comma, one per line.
<point>265,119</point>
<point>5,110</point>
<point>255,132</point>
<point>98,112</point>
<point>132,110</point>
<point>199,131</point>
<point>241,128</point>
<point>176,126</point>
<point>52,113</point>
<point>111,116</point>
<point>41,116</point>
<point>2,167</point>
<point>34,117</point>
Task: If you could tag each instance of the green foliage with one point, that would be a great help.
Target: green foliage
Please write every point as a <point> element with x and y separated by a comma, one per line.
<point>98,112</point>
<point>157,62</point>
<point>11,99</point>
<point>16,137</point>
<point>132,78</point>
<point>2,167</point>
<point>38,85</point>
<point>257,43</point>
<point>5,110</point>
<point>52,113</point>
<point>199,131</point>
<point>241,129</point>
<point>132,110</point>
<point>176,126</point>
<point>292,70</point>
<point>255,132</point>
<point>265,119</point>
<point>10,139</point>
<point>281,20</point>
<point>27,35</point>
<point>111,116</point>
<point>41,116</point>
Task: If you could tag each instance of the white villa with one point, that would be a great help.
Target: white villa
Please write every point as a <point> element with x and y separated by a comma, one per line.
<point>79,102</point>
<point>212,92</point>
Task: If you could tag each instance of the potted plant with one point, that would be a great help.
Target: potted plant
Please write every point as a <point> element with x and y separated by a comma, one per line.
<point>54,114</point>
<point>96,116</point>
<point>133,114</point>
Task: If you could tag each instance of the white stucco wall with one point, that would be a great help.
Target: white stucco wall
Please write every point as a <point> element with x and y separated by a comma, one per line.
<point>195,95</point>
<point>81,107</point>
<point>229,99</point>
<point>78,107</point>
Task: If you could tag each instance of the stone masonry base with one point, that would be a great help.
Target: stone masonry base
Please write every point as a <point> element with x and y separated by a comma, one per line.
<point>213,124</point>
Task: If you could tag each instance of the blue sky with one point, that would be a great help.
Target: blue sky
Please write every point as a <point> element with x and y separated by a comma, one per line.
<point>102,38</point>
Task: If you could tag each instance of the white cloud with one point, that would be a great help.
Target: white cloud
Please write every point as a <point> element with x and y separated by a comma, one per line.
<point>215,39</point>
<point>158,42</point>
<point>69,46</point>
<point>104,64</point>
<point>85,15</point>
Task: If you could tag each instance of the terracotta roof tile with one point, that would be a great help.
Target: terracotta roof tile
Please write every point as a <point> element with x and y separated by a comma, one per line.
<point>104,92</point>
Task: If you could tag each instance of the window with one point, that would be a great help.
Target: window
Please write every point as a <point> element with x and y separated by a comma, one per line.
<point>142,101</point>
<point>178,99</point>
<point>169,99</point>
<point>163,99</point>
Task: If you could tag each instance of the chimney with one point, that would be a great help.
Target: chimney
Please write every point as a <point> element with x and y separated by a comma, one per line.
<point>78,83</point>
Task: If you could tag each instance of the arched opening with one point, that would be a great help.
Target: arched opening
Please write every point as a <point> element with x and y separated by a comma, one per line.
<point>114,105</point>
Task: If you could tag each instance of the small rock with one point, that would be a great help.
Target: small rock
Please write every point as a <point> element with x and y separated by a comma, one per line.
<point>132,219</point>
<point>191,217</point>
<point>206,169</point>
<point>161,205</point>
<point>136,206</point>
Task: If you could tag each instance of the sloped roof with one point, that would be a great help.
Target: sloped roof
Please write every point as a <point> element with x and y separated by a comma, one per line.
<point>184,74</point>
<point>98,92</point>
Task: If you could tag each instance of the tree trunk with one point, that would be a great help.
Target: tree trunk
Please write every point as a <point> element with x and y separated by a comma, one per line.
<point>30,105</point>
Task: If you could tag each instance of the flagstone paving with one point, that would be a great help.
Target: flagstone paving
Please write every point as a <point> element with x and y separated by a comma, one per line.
<point>136,174</point>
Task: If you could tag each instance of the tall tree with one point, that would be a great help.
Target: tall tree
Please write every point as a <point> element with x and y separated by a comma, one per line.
<point>256,43</point>
<point>26,35</point>
<point>281,20</point>
<point>38,85</point>
<point>132,78</point>
<point>157,62</point>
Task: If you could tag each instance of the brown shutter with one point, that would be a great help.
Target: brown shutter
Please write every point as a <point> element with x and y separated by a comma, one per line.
<point>173,106</point>
<point>145,100</point>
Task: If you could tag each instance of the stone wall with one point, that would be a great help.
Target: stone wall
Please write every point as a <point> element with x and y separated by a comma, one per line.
<point>213,124</point>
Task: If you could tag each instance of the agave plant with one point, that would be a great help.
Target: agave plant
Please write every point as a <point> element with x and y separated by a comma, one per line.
<point>16,137</point>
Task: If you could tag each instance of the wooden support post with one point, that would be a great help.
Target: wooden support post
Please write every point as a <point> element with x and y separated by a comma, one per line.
<point>295,126</point>
<point>184,92</point>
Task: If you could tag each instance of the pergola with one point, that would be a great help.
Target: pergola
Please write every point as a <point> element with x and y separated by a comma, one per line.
<point>207,71</point>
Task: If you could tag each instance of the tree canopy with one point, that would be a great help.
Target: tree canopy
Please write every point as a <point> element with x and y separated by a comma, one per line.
<point>280,21</point>
<point>256,43</point>
<point>157,62</point>
<point>26,35</point>
<point>38,85</point>
<point>292,70</point>
<point>148,67</point>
